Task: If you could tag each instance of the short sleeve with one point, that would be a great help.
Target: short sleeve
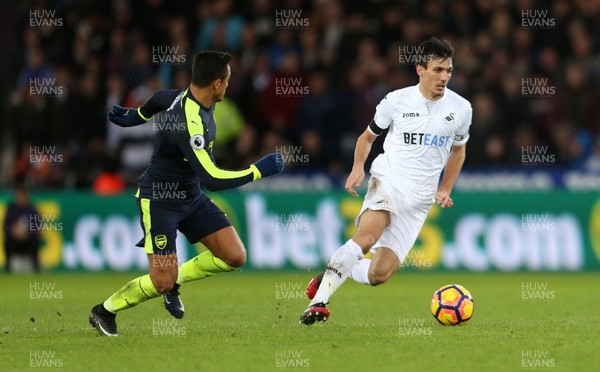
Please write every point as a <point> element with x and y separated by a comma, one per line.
<point>461,136</point>
<point>383,115</point>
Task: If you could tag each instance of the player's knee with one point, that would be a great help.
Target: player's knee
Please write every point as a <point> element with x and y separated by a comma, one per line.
<point>163,286</point>
<point>365,240</point>
<point>236,258</point>
<point>163,282</point>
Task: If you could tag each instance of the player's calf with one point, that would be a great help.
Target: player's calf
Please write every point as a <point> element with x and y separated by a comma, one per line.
<point>383,265</point>
<point>377,278</point>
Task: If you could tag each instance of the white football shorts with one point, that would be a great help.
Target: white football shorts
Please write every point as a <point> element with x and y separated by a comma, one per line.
<point>407,216</point>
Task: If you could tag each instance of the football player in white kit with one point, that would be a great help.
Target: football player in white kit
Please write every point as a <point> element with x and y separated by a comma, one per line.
<point>428,129</point>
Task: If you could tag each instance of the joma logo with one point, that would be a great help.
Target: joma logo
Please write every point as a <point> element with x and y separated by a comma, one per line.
<point>410,114</point>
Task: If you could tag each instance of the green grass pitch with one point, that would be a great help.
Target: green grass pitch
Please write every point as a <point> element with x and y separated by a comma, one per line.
<point>249,322</point>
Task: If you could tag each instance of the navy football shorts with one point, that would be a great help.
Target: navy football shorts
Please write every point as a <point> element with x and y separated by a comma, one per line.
<point>160,220</point>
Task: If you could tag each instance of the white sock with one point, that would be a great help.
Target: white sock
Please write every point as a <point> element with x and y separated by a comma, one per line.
<point>360,271</point>
<point>337,271</point>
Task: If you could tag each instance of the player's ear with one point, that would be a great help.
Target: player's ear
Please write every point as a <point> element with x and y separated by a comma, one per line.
<point>216,84</point>
<point>420,70</point>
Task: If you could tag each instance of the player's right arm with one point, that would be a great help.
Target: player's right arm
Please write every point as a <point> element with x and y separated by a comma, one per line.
<point>361,152</point>
<point>381,121</point>
<point>131,117</point>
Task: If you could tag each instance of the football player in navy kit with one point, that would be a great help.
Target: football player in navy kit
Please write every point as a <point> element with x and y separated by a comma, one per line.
<point>169,195</point>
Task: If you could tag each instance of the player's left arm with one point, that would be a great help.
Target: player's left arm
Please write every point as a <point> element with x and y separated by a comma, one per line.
<point>131,117</point>
<point>453,167</point>
<point>193,146</point>
<point>455,160</point>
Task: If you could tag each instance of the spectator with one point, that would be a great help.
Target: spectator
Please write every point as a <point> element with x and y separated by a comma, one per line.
<point>103,54</point>
<point>21,235</point>
<point>284,94</point>
<point>315,119</point>
<point>221,28</point>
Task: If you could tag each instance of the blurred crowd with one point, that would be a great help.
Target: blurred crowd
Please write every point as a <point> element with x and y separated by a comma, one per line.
<point>306,78</point>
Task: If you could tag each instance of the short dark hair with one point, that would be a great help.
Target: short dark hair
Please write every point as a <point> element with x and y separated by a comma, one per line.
<point>434,48</point>
<point>209,65</point>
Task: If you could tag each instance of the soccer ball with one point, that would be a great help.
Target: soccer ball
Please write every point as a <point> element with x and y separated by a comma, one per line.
<point>452,305</point>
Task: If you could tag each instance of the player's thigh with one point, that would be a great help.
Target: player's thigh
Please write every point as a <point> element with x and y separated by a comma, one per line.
<point>206,223</point>
<point>371,225</point>
<point>226,245</point>
<point>383,265</point>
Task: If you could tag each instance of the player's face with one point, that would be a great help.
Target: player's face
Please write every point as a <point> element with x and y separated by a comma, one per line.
<point>221,86</point>
<point>435,77</point>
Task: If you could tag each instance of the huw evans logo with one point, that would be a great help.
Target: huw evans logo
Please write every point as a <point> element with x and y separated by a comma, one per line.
<point>289,291</point>
<point>416,258</point>
<point>45,87</point>
<point>291,87</point>
<point>169,122</point>
<point>167,327</point>
<point>290,19</point>
<point>412,55</point>
<point>291,222</point>
<point>537,87</point>
<point>537,19</point>
<point>44,359</point>
<point>165,190</point>
<point>413,327</point>
<point>536,291</point>
<point>292,155</point>
<point>44,222</point>
<point>536,359</point>
<point>537,222</point>
<point>537,155</point>
<point>44,18</point>
<point>39,155</point>
<point>44,291</point>
<point>168,55</point>
<point>290,358</point>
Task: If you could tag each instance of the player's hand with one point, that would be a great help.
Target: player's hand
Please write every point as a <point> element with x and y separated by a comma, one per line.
<point>270,165</point>
<point>443,199</point>
<point>354,180</point>
<point>125,116</point>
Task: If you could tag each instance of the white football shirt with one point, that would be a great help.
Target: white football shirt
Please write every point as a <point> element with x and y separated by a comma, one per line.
<point>421,134</point>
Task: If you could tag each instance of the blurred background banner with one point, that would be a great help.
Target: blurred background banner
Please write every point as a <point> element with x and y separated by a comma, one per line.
<point>492,231</point>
